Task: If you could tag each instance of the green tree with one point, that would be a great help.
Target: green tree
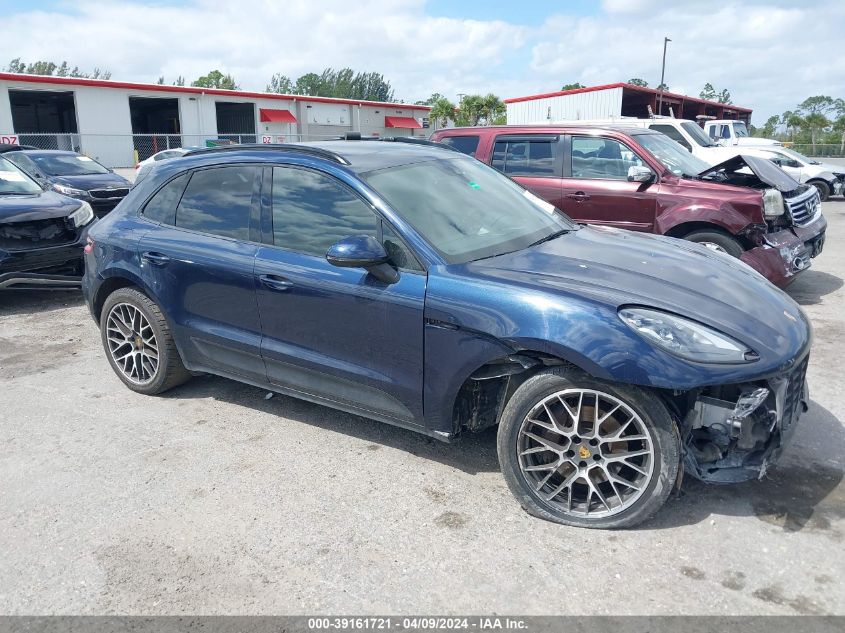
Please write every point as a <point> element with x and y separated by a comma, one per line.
<point>470,110</point>
<point>663,87</point>
<point>16,66</point>
<point>441,111</point>
<point>769,127</point>
<point>216,79</point>
<point>491,107</point>
<point>572,86</point>
<point>724,97</point>
<point>636,81</point>
<point>309,84</point>
<point>180,81</point>
<point>819,104</point>
<point>815,123</point>
<point>708,92</point>
<point>280,84</point>
<point>792,121</point>
<point>434,98</point>
<point>50,69</point>
<point>160,81</point>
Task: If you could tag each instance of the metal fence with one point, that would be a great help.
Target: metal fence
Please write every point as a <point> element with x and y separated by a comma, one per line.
<point>125,150</point>
<point>819,150</point>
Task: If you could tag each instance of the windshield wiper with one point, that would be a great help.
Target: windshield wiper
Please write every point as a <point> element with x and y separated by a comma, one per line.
<point>551,236</point>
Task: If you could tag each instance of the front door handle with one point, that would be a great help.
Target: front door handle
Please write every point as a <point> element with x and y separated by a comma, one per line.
<point>578,196</point>
<point>275,282</point>
<point>155,259</point>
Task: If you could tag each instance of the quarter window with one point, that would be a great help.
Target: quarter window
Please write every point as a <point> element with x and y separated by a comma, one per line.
<point>312,211</point>
<point>162,206</point>
<point>602,158</point>
<point>218,201</point>
<point>525,157</point>
<point>466,144</point>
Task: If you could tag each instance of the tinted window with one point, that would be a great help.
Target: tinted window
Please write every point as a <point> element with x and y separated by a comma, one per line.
<point>602,158</point>
<point>312,211</point>
<point>218,201</point>
<point>465,144</point>
<point>22,161</point>
<point>400,255</point>
<point>525,157</point>
<point>162,206</point>
<point>673,133</point>
<point>13,180</point>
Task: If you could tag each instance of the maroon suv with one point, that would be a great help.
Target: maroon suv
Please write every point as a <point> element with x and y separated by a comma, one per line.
<point>641,180</point>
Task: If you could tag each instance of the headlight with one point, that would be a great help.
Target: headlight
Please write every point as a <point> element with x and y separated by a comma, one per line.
<point>685,338</point>
<point>773,203</point>
<point>70,191</point>
<point>82,216</point>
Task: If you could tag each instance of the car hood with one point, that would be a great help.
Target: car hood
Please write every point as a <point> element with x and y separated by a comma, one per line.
<point>92,181</point>
<point>616,268</point>
<point>36,206</point>
<point>766,172</point>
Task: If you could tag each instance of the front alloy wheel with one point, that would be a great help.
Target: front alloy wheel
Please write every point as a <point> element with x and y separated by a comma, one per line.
<point>585,452</point>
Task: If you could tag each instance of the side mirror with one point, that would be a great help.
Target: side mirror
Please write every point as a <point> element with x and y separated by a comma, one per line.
<point>636,173</point>
<point>363,251</point>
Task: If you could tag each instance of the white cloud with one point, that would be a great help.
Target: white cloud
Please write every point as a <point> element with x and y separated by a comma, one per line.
<point>769,53</point>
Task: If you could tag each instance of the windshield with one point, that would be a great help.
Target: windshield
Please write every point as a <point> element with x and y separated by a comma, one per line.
<point>740,129</point>
<point>465,209</point>
<point>67,165</point>
<point>697,134</point>
<point>673,156</point>
<point>14,181</point>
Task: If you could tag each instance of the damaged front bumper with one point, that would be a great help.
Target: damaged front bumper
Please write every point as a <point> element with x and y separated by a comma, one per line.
<point>786,253</point>
<point>734,433</point>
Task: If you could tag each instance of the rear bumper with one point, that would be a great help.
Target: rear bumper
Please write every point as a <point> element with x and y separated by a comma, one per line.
<point>55,267</point>
<point>787,253</point>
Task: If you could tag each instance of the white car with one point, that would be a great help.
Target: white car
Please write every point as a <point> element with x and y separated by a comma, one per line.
<point>827,178</point>
<point>143,168</point>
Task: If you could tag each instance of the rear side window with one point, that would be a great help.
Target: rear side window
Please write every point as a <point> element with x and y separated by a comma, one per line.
<point>466,144</point>
<point>673,133</point>
<point>162,206</point>
<point>218,201</point>
<point>525,157</point>
<point>312,211</point>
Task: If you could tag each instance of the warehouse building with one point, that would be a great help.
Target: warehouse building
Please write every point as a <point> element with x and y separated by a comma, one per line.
<point>615,100</point>
<point>119,123</point>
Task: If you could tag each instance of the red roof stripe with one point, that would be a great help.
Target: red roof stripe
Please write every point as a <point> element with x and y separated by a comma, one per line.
<point>107,83</point>
<point>626,87</point>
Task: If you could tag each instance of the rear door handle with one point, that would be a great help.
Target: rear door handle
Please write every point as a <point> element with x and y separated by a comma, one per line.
<point>275,282</point>
<point>155,259</point>
<point>578,196</point>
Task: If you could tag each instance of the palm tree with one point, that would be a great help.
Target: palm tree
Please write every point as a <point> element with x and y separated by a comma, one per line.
<point>441,111</point>
<point>815,123</point>
<point>492,107</point>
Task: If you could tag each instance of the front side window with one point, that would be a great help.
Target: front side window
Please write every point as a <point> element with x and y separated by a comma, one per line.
<point>696,133</point>
<point>218,201</point>
<point>67,165</point>
<point>602,158</point>
<point>312,211</point>
<point>465,144</point>
<point>675,158</point>
<point>162,206</point>
<point>525,157</point>
<point>672,132</point>
<point>13,181</point>
<point>464,209</point>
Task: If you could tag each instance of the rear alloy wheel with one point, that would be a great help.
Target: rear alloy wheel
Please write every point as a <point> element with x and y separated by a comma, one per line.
<point>823,188</point>
<point>583,452</point>
<point>717,241</point>
<point>138,343</point>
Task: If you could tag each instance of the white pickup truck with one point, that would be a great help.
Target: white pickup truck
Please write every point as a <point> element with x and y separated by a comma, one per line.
<point>732,132</point>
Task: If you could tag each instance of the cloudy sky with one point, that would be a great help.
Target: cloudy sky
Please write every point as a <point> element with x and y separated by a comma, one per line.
<point>770,54</point>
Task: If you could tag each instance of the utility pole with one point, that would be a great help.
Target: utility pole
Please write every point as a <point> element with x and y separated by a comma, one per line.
<point>666,40</point>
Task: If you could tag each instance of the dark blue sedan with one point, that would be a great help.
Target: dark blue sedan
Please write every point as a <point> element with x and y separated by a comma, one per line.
<point>416,286</point>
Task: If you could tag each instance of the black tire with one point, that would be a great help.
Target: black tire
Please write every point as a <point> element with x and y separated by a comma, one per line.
<point>169,372</point>
<point>822,187</point>
<point>656,422</point>
<point>723,241</point>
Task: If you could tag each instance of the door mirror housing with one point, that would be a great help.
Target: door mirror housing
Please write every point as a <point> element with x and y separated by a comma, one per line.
<point>363,251</point>
<point>637,173</point>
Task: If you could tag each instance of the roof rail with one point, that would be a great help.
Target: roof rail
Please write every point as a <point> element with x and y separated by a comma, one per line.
<point>284,147</point>
<point>356,136</point>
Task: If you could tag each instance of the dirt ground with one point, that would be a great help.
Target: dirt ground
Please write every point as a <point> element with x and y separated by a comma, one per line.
<point>213,499</point>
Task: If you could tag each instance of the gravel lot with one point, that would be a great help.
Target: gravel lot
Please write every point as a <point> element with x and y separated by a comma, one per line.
<point>213,499</point>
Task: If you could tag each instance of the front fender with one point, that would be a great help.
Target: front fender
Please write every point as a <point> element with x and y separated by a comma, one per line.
<point>725,216</point>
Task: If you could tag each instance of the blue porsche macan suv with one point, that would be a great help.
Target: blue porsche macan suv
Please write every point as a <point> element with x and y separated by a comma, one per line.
<point>414,285</point>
